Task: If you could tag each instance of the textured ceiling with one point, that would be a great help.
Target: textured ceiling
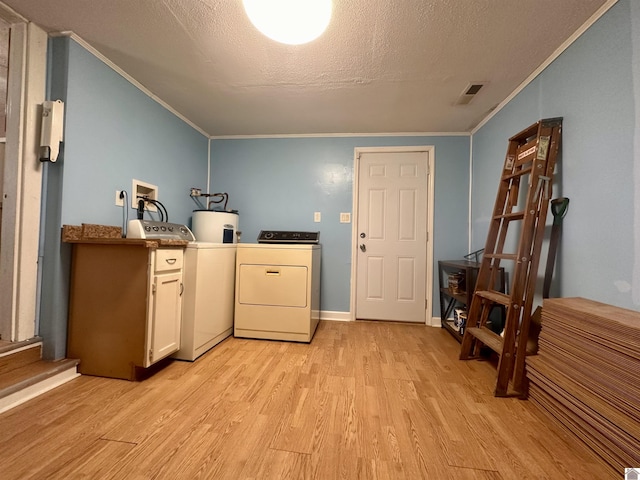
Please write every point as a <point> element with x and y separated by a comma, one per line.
<point>382,66</point>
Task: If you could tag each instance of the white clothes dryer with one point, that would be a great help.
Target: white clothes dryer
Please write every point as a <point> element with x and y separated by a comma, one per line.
<point>277,291</point>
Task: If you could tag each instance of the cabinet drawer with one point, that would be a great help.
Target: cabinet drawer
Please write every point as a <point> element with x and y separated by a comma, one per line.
<point>168,259</point>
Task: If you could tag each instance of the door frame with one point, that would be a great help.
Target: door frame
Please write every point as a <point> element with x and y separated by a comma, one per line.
<point>26,87</point>
<point>431,150</point>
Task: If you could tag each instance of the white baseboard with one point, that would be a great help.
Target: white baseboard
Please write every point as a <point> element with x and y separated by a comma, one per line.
<point>36,389</point>
<point>436,322</point>
<point>346,317</point>
<point>335,316</point>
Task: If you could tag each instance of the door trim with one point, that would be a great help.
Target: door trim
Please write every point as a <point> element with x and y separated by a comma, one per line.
<point>22,179</point>
<point>431,150</point>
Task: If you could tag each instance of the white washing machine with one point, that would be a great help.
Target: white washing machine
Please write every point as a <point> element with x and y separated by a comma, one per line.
<point>277,291</point>
<point>207,304</point>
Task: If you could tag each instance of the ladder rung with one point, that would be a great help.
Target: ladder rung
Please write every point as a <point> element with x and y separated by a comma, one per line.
<point>487,337</point>
<point>502,256</point>
<point>511,216</point>
<point>519,173</point>
<point>494,296</point>
<point>526,133</point>
<point>526,152</point>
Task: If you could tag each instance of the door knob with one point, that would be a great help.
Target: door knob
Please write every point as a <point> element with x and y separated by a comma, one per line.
<point>363,247</point>
<point>363,235</point>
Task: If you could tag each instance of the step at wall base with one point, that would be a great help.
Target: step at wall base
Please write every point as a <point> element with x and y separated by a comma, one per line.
<point>33,373</point>
<point>20,357</point>
<point>33,390</point>
<point>10,348</point>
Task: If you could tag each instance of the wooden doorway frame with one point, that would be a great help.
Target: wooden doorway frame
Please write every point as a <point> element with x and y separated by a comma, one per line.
<point>431,150</point>
<point>22,186</point>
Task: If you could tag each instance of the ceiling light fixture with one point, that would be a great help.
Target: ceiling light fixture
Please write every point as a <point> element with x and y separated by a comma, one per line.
<point>293,22</point>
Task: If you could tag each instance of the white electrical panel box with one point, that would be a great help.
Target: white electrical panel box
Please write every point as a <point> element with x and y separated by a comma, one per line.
<point>143,189</point>
<point>51,130</point>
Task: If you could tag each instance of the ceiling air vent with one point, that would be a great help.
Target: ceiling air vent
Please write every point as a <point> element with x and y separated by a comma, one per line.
<point>469,92</point>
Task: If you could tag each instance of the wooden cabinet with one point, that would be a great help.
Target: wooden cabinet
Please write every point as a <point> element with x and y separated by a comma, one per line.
<point>457,282</point>
<point>125,307</point>
<point>165,304</point>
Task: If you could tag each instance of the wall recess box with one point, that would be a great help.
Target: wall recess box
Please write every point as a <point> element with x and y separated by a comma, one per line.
<point>139,188</point>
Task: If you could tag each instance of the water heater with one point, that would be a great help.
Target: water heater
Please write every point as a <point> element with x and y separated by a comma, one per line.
<point>215,226</point>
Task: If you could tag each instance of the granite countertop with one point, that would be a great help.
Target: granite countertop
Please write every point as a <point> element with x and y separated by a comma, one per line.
<point>107,234</point>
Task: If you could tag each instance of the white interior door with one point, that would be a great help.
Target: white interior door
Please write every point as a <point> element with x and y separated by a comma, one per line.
<point>391,256</point>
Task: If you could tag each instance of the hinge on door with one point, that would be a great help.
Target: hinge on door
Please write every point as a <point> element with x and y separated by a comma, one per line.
<point>427,236</point>
<point>153,288</point>
<point>426,303</point>
<point>150,355</point>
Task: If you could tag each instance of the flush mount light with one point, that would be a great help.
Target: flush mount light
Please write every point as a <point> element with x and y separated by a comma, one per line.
<point>293,22</point>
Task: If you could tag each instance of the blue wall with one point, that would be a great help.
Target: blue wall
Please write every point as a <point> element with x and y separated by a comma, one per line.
<point>278,183</point>
<point>591,86</point>
<point>113,133</point>
<point>116,133</point>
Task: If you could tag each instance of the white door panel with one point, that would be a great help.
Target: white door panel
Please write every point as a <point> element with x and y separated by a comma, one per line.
<point>406,279</point>
<point>392,236</point>
<point>407,215</point>
<point>375,284</point>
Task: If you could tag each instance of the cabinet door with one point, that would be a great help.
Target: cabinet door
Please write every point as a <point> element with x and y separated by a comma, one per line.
<point>166,307</point>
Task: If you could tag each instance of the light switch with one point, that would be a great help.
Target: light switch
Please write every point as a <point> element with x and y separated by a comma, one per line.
<point>317,217</point>
<point>345,217</point>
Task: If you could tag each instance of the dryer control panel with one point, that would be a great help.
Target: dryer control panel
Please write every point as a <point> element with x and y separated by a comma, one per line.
<point>149,229</point>
<point>279,236</point>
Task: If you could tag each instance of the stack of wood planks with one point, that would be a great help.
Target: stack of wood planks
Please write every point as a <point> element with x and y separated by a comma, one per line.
<point>586,375</point>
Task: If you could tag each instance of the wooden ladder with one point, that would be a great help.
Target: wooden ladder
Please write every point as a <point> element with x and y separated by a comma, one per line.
<point>518,219</point>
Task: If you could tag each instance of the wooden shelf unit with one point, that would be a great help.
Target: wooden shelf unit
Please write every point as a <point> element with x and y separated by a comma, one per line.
<point>449,300</point>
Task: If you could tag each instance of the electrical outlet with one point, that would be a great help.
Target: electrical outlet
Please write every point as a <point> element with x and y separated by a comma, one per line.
<point>119,201</point>
<point>317,217</point>
<point>345,217</point>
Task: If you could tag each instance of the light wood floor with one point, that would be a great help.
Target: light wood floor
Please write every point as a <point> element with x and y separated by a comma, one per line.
<point>365,400</point>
